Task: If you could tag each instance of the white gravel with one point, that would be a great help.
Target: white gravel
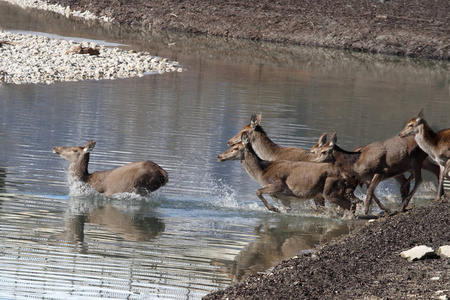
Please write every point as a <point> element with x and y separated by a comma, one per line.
<point>38,59</point>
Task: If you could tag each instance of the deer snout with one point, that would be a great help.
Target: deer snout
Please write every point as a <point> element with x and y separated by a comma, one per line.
<point>220,158</point>
<point>404,133</point>
<point>56,150</point>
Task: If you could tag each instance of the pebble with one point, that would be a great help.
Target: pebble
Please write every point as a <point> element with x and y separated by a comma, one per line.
<point>40,59</point>
<point>444,251</point>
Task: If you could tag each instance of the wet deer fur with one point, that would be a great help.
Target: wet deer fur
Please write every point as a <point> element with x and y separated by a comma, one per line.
<point>287,180</point>
<point>435,144</point>
<point>138,177</point>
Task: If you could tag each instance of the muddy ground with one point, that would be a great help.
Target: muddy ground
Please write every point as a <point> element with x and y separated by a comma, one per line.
<point>365,264</point>
<point>417,28</point>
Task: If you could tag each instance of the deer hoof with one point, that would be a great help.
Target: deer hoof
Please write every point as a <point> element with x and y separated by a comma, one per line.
<point>274,209</point>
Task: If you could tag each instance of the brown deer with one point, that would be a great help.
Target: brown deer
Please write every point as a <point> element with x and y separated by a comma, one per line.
<point>379,161</point>
<point>138,177</point>
<point>266,149</point>
<point>288,180</point>
<point>435,144</point>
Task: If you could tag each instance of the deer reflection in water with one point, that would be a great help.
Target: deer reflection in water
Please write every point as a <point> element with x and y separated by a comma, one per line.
<point>136,225</point>
<point>284,240</point>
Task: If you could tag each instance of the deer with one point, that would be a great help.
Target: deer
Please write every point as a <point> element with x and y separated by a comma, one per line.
<point>435,144</point>
<point>140,177</point>
<point>266,149</point>
<point>288,180</point>
<point>379,161</point>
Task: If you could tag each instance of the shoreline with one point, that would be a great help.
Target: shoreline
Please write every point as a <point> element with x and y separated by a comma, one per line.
<point>416,30</point>
<point>392,27</point>
<point>50,60</point>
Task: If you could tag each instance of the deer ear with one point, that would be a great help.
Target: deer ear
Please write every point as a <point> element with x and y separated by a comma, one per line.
<point>333,139</point>
<point>322,139</point>
<point>419,115</point>
<point>244,138</point>
<point>255,120</point>
<point>89,146</point>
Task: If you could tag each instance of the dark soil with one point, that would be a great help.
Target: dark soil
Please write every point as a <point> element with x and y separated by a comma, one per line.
<point>365,264</point>
<point>417,28</point>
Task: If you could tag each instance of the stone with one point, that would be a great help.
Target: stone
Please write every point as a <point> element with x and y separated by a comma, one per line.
<point>444,251</point>
<point>418,252</point>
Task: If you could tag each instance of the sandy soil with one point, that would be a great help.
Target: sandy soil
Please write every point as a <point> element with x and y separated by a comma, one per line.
<point>365,264</point>
<point>406,28</point>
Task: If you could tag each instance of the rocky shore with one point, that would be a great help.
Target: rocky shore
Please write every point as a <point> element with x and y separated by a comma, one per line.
<point>40,59</point>
<point>367,264</point>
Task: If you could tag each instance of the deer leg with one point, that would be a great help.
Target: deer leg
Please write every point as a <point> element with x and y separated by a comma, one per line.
<point>441,181</point>
<point>435,169</point>
<point>443,170</point>
<point>404,184</point>
<point>417,174</point>
<point>380,204</point>
<point>335,192</point>
<point>319,200</point>
<point>446,170</point>
<point>270,189</point>
<point>370,194</point>
<point>286,202</point>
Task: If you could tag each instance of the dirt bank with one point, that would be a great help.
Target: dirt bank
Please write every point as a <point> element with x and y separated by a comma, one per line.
<point>406,28</point>
<point>364,265</point>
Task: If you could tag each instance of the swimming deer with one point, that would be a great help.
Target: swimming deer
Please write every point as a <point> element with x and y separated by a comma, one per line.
<point>435,144</point>
<point>379,161</point>
<point>266,149</point>
<point>139,177</point>
<point>288,180</point>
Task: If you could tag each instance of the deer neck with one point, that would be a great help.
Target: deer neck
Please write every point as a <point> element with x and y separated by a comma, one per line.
<point>426,139</point>
<point>345,160</point>
<point>262,145</point>
<point>253,164</point>
<point>80,169</point>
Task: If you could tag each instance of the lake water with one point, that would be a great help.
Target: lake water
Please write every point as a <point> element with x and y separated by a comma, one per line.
<point>206,229</point>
